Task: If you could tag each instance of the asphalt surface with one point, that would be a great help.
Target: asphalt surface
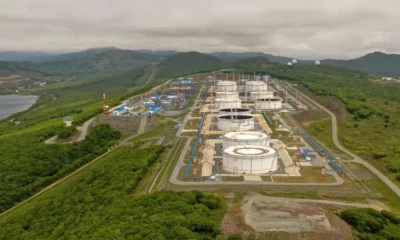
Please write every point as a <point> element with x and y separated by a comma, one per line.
<point>357,159</point>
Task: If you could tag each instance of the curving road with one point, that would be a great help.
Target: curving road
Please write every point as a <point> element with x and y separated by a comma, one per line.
<point>357,159</point>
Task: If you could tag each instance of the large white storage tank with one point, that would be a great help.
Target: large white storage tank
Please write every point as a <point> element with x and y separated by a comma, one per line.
<point>256,86</point>
<point>260,95</point>
<point>227,95</point>
<point>235,122</point>
<point>268,103</point>
<point>249,159</point>
<point>227,103</point>
<point>245,138</point>
<point>234,111</point>
<point>223,86</point>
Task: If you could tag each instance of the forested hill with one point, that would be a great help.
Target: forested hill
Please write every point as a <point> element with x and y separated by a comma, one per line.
<point>187,63</point>
<point>94,61</point>
<point>374,63</point>
<point>252,61</point>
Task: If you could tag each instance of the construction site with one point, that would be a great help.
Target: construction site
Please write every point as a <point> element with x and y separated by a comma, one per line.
<point>242,131</point>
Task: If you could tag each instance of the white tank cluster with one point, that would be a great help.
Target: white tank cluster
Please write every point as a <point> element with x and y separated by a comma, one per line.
<point>317,63</point>
<point>235,122</point>
<point>245,138</point>
<point>234,111</point>
<point>227,95</point>
<point>289,64</point>
<point>226,86</point>
<point>268,103</point>
<point>256,86</point>
<point>227,103</point>
<point>249,159</point>
<point>294,61</point>
<point>263,94</point>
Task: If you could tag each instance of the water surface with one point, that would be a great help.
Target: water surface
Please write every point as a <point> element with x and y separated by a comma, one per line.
<point>10,104</point>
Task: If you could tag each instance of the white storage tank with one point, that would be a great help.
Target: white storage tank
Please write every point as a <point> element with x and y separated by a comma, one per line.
<point>256,86</point>
<point>245,138</point>
<point>227,95</point>
<point>268,103</point>
<point>234,111</point>
<point>223,86</point>
<point>249,159</point>
<point>260,95</point>
<point>235,122</point>
<point>227,103</point>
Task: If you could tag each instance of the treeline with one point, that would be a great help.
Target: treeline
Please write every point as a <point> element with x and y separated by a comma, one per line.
<point>27,168</point>
<point>373,225</point>
<point>102,203</point>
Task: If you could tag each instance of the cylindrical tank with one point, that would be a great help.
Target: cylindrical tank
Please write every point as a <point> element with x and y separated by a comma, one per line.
<point>235,122</point>
<point>223,86</point>
<point>249,159</point>
<point>227,103</point>
<point>245,138</point>
<point>227,95</point>
<point>234,111</point>
<point>256,86</point>
<point>268,103</point>
<point>259,95</point>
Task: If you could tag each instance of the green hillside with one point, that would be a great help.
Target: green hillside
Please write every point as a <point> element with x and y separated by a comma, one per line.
<point>233,57</point>
<point>376,63</point>
<point>258,61</point>
<point>97,62</point>
<point>187,63</point>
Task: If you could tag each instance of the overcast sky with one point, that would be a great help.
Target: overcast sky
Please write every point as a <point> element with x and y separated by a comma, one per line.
<point>299,28</point>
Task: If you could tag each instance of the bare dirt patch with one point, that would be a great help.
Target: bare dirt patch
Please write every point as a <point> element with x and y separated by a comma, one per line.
<point>266,217</point>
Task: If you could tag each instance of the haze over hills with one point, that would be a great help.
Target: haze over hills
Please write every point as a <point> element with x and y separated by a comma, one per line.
<point>378,63</point>
<point>23,56</point>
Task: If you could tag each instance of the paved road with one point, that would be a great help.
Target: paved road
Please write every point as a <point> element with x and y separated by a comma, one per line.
<point>84,130</point>
<point>357,159</point>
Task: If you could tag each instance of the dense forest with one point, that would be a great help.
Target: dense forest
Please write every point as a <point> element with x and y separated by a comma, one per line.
<point>370,224</point>
<point>27,168</point>
<point>101,202</point>
<point>371,128</point>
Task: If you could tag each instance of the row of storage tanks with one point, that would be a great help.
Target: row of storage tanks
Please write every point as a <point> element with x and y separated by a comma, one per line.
<point>248,153</point>
<point>228,97</point>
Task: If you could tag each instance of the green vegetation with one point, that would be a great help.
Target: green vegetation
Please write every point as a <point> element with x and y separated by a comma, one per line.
<point>375,63</point>
<point>66,132</point>
<point>101,202</point>
<point>371,128</point>
<point>370,224</point>
<point>30,167</point>
<point>258,61</point>
<point>188,63</point>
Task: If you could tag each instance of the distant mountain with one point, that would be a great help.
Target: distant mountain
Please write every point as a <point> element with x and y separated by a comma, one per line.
<point>97,60</point>
<point>187,63</point>
<point>233,57</point>
<point>24,56</point>
<point>377,63</point>
<point>253,61</point>
<point>160,53</point>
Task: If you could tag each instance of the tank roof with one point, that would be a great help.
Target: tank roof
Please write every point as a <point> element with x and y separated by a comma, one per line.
<point>235,110</point>
<point>249,150</point>
<point>235,117</point>
<point>246,135</point>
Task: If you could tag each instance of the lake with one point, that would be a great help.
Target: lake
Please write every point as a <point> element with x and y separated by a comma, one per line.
<point>10,104</point>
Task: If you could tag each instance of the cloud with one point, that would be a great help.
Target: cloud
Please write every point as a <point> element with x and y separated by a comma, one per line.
<point>306,28</point>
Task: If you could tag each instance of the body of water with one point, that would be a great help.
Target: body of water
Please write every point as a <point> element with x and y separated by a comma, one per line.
<point>10,104</point>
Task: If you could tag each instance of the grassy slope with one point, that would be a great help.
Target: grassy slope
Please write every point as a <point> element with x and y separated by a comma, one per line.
<point>101,203</point>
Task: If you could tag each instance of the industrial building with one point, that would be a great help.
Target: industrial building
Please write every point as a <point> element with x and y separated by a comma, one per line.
<point>235,122</point>
<point>123,109</point>
<point>249,159</point>
<point>245,138</point>
<point>268,104</point>
<point>227,95</point>
<point>234,111</point>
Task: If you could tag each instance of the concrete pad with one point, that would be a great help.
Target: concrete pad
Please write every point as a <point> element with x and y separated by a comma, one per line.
<point>252,178</point>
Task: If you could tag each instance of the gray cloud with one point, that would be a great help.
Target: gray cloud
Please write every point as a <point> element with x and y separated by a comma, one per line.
<point>307,28</point>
